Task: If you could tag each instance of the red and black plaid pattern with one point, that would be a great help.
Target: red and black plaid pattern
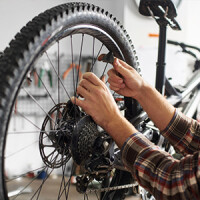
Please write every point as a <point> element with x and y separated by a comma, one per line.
<point>157,171</point>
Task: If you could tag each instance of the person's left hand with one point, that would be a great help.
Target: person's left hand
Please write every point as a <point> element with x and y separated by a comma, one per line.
<point>97,101</point>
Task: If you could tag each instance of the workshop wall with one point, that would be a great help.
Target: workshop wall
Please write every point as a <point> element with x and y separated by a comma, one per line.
<point>139,27</point>
<point>15,14</point>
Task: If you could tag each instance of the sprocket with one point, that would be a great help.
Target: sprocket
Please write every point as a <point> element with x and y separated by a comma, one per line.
<point>83,139</point>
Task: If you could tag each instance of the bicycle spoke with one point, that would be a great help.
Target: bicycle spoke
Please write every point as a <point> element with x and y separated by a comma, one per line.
<point>60,80</point>
<point>22,175</point>
<point>93,47</point>
<point>86,197</point>
<point>28,146</point>
<point>65,185</point>
<point>31,96</point>
<point>16,152</point>
<point>95,191</point>
<point>104,70</point>
<point>65,189</point>
<point>21,191</point>
<point>58,55</point>
<point>40,187</point>
<point>23,132</point>
<point>73,167</point>
<point>73,69</point>
<point>91,69</point>
<point>45,88</point>
<point>62,183</point>
<point>79,62</point>
<point>26,118</point>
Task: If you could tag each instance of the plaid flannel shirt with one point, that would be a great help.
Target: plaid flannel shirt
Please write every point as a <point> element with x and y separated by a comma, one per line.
<point>160,173</point>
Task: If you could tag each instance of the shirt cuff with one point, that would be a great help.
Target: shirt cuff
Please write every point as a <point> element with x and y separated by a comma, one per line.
<point>135,144</point>
<point>171,122</point>
<point>177,130</point>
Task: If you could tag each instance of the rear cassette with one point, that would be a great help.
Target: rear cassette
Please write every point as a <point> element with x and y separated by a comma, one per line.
<point>83,139</point>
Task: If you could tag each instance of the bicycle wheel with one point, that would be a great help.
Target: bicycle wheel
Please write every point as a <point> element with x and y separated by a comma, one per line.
<point>41,132</point>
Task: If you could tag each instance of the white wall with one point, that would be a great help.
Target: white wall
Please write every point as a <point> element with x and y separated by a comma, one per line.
<point>139,27</point>
<point>14,14</point>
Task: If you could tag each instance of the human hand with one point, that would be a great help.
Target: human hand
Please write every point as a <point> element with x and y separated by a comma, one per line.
<point>97,101</point>
<point>124,79</point>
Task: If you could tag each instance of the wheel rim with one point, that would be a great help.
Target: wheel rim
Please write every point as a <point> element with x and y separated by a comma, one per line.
<point>20,182</point>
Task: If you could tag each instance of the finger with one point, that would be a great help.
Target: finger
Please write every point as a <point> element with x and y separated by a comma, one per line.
<point>121,68</point>
<point>116,84</point>
<point>114,76</point>
<point>87,85</point>
<point>77,102</point>
<point>103,78</point>
<point>122,63</point>
<point>83,92</point>
<point>91,77</point>
<point>116,89</point>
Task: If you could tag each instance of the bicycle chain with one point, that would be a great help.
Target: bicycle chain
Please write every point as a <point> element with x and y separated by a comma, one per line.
<point>112,188</point>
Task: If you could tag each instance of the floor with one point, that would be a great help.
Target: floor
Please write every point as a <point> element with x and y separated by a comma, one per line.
<point>49,192</point>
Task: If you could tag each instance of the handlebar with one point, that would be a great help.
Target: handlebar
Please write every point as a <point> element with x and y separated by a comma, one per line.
<point>184,46</point>
<point>173,42</point>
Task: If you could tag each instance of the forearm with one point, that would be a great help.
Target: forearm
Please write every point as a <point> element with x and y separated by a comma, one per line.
<point>156,106</point>
<point>120,129</point>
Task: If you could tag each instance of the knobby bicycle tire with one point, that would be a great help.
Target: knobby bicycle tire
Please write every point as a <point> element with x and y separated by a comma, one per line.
<point>22,56</point>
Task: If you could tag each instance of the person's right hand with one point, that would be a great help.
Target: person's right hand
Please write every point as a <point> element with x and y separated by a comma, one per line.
<point>124,79</point>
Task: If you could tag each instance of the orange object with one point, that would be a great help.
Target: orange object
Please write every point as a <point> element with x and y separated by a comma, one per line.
<point>153,35</point>
<point>119,99</point>
<point>35,77</point>
<point>78,68</point>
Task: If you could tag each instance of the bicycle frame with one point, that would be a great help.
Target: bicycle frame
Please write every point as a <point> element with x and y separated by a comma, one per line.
<point>162,83</point>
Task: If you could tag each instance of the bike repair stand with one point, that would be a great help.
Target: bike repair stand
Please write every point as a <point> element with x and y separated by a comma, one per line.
<point>163,20</point>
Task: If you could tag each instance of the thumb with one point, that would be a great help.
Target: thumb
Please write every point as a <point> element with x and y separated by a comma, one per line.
<point>121,67</point>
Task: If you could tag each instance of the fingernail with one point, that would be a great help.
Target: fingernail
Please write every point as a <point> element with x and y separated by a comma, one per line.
<point>72,99</point>
<point>117,61</point>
